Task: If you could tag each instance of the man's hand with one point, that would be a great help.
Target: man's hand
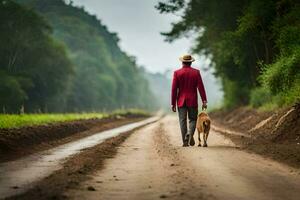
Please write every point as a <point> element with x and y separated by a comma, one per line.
<point>173,108</point>
<point>204,106</point>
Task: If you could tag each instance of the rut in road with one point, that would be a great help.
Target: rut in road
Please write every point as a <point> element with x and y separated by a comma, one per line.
<point>19,176</point>
<point>151,164</point>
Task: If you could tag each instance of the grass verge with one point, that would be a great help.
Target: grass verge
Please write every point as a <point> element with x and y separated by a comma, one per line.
<point>21,120</point>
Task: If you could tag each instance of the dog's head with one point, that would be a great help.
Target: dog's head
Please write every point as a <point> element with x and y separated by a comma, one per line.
<point>202,114</point>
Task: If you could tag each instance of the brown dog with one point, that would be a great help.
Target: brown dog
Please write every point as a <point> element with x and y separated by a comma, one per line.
<point>203,126</point>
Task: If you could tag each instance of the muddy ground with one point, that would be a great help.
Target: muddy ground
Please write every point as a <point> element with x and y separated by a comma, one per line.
<point>74,171</point>
<point>18,142</point>
<point>272,134</point>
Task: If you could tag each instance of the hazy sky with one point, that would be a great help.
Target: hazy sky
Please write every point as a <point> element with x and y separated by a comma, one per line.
<point>138,25</point>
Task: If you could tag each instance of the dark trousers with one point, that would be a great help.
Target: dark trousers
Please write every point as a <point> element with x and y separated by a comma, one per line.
<point>192,113</point>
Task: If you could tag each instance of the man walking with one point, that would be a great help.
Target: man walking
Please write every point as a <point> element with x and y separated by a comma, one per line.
<point>185,83</point>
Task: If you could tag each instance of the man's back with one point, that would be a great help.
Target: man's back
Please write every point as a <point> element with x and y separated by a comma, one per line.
<point>184,87</point>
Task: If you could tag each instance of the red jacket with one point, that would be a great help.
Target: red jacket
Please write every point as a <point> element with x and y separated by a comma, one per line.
<point>185,83</point>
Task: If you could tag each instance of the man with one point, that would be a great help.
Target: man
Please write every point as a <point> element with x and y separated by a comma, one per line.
<point>185,83</point>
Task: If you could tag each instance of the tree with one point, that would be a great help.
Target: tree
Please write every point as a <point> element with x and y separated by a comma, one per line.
<point>243,38</point>
<point>105,77</point>
<point>34,67</point>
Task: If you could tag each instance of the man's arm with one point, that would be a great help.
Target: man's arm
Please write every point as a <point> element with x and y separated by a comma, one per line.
<point>174,92</point>
<point>201,90</point>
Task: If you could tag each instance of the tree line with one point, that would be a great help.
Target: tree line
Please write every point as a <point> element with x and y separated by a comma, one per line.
<point>254,46</point>
<point>55,57</point>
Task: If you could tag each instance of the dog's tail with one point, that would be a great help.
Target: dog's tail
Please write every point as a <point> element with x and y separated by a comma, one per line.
<point>206,125</point>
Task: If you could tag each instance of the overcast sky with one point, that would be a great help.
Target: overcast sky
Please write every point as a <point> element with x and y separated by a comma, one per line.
<point>138,25</point>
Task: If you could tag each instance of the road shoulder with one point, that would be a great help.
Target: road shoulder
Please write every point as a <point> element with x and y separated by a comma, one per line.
<point>274,135</point>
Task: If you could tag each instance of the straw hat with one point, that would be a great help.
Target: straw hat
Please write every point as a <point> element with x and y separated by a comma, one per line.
<point>187,58</point>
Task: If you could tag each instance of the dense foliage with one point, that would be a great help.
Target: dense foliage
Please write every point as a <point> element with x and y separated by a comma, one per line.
<point>56,57</point>
<point>254,45</point>
<point>34,68</point>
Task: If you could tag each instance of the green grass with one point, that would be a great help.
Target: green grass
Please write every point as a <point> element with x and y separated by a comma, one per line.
<point>16,121</point>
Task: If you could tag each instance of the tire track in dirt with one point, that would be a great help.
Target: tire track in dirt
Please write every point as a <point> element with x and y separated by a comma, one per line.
<point>73,169</point>
<point>20,142</point>
<point>184,179</point>
<point>147,166</point>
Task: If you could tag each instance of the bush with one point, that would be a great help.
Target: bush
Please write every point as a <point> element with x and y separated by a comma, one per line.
<point>234,94</point>
<point>282,78</point>
<point>292,96</point>
<point>260,96</point>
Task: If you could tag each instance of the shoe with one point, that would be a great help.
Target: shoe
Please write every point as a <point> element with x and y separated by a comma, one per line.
<point>191,140</point>
<point>185,145</point>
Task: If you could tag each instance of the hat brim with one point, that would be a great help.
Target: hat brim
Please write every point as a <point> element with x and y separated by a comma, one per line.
<point>182,60</point>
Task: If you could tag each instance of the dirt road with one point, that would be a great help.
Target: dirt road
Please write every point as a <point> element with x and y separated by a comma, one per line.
<point>21,175</point>
<point>151,164</point>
